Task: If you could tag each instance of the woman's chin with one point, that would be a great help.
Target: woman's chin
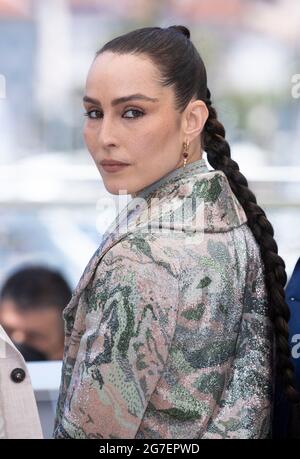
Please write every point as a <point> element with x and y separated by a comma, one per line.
<point>116,189</point>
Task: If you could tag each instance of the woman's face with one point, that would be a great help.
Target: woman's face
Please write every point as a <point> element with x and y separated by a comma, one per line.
<point>145,133</point>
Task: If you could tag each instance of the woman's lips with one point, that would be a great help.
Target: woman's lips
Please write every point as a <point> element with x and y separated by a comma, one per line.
<point>113,167</point>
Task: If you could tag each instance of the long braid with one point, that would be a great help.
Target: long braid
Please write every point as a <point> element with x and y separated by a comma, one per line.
<point>218,156</point>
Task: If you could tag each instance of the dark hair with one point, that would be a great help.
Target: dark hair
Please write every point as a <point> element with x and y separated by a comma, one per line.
<point>36,287</point>
<point>181,66</point>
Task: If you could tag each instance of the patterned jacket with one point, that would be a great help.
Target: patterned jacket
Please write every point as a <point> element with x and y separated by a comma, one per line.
<point>167,332</point>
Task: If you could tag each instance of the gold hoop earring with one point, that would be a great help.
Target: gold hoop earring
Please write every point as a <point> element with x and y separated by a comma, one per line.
<point>185,152</point>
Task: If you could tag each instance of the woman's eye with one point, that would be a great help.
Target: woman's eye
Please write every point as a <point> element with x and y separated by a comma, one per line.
<point>89,114</point>
<point>135,111</point>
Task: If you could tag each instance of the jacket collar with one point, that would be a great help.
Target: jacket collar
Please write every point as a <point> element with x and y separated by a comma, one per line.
<point>218,210</point>
<point>193,199</point>
<point>197,167</point>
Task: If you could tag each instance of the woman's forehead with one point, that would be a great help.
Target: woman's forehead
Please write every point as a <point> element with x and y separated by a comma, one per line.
<point>130,72</point>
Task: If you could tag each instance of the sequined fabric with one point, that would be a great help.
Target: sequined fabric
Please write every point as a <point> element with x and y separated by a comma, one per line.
<point>167,331</point>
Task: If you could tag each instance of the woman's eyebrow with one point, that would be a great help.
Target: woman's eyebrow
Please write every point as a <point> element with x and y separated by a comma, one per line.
<point>121,100</point>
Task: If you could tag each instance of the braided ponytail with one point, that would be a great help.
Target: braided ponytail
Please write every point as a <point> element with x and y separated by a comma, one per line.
<point>218,156</point>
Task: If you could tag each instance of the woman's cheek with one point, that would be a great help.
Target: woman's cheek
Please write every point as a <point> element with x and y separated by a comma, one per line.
<point>88,135</point>
<point>85,131</point>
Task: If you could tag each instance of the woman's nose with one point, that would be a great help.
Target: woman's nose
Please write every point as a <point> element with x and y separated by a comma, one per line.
<point>107,131</point>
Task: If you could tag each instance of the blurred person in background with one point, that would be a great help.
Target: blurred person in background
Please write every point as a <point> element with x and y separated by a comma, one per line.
<point>170,334</point>
<point>31,303</point>
<point>19,416</point>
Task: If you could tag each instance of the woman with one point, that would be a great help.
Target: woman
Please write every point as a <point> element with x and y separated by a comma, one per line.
<point>168,333</point>
<point>19,416</point>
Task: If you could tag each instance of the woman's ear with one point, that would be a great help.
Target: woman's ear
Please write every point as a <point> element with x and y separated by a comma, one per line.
<point>195,116</point>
